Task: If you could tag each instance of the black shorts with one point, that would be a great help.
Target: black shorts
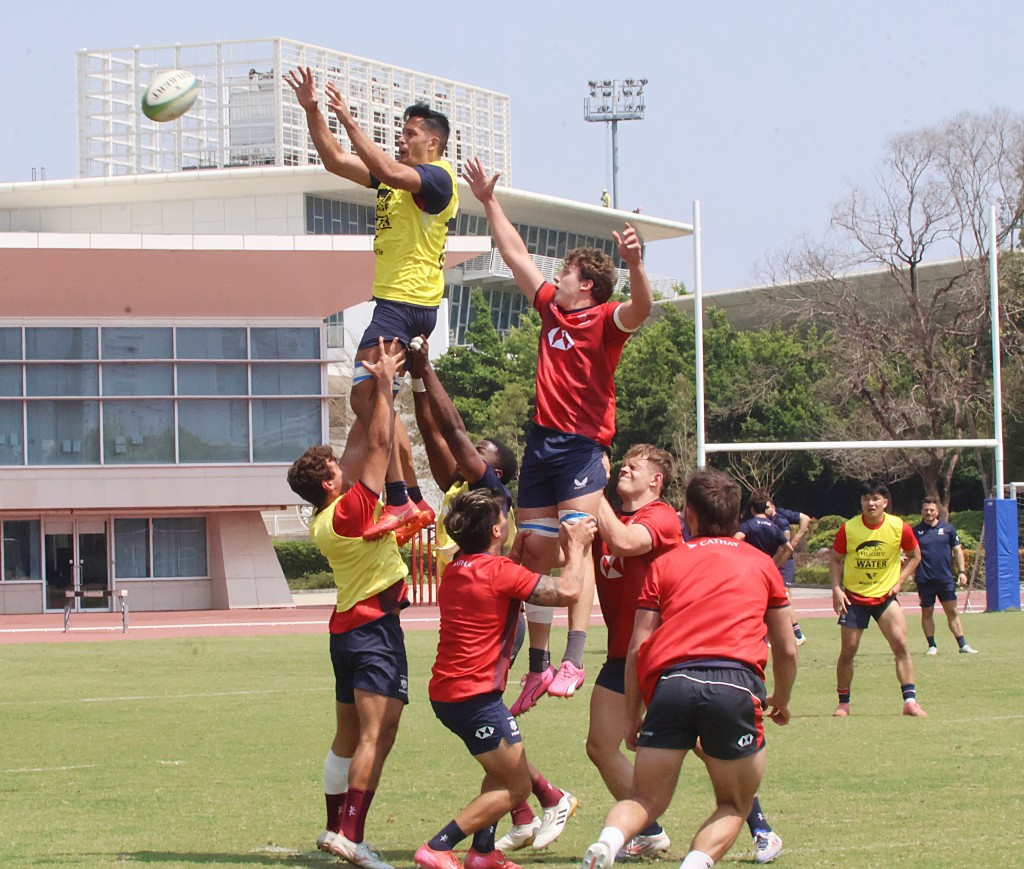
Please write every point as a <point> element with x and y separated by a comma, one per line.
<point>613,675</point>
<point>723,705</point>
<point>481,722</point>
<point>858,616</point>
<point>558,467</point>
<point>927,592</point>
<point>397,320</point>
<point>371,658</point>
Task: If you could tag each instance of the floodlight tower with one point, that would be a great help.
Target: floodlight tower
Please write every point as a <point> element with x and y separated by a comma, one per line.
<point>611,101</point>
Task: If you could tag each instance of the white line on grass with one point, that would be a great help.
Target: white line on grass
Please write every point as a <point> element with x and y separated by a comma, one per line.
<point>52,768</point>
<point>129,698</point>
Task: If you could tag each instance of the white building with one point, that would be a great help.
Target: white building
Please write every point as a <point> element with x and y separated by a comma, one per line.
<point>164,354</point>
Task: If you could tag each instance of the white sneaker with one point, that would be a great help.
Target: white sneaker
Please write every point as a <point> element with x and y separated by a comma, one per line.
<point>932,650</point>
<point>554,821</point>
<point>598,856</point>
<point>801,639</point>
<point>361,855</point>
<point>645,846</point>
<point>767,846</point>
<point>519,836</point>
<point>967,650</point>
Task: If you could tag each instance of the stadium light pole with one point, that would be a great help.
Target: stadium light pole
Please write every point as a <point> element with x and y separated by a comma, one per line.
<point>609,102</point>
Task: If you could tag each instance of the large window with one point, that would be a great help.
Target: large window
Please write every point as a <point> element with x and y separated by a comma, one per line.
<point>160,548</point>
<point>89,395</point>
<point>20,554</point>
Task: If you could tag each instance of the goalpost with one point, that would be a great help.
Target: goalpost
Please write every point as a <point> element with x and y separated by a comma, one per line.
<point>1000,539</point>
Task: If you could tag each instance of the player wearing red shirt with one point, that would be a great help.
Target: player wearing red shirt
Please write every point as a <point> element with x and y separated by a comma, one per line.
<point>867,574</point>
<point>630,541</point>
<point>563,473</point>
<point>697,658</point>
<point>478,598</point>
<point>367,646</point>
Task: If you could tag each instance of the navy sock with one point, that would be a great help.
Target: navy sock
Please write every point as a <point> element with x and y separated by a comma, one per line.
<point>447,838</point>
<point>797,632</point>
<point>652,829</point>
<point>844,695</point>
<point>483,840</point>
<point>756,821</point>
<point>961,641</point>
<point>909,691</point>
<point>414,494</point>
<point>395,494</point>
<point>931,641</point>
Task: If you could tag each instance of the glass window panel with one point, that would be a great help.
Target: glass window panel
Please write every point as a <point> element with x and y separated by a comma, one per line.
<point>21,549</point>
<point>58,342</point>
<point>12,447</point>
<point>131,548</point>
<point>10,380</point>
<point>136,342</point>
<point>285,343</point>
<point>179,547</point>
<point>286,380</point>
<point>214,431</point>
<point>226,343</point>
<point>131,379</point>
<point>283,429</point>
<point>209,379</point>
<point>138,432</point>
<point>62,380</point>
<point>63,433</point>
<point>10,342</point>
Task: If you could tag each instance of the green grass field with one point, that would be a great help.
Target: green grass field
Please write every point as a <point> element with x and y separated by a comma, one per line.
<point>208,752</point>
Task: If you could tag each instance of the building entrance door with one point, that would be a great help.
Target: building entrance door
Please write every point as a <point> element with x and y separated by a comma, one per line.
<point>76,557</point>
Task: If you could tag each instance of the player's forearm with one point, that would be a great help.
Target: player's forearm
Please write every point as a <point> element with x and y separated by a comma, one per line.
<point>331,153</point>
<point>640,293</point>
<point>508,241</point>
<point>382,167</point>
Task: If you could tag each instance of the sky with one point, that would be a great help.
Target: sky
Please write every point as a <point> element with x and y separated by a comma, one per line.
<point>766,113</point>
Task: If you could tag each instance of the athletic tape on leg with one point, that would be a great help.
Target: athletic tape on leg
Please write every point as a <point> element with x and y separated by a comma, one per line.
<point>541,527</point>
<point>570,516</point>
<point>359,374</point>
<point>539,615</point>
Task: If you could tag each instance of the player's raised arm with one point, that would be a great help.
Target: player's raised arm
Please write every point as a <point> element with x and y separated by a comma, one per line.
<point>632,314</point>
<point>511,247</point>
<point>381,166</point>
<point>335,159</point>
<point>380,420</point>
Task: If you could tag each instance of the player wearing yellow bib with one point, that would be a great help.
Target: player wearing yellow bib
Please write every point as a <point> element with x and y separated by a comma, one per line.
<point>367,646</point>
<point>416,198</point>
<point>867,574</point>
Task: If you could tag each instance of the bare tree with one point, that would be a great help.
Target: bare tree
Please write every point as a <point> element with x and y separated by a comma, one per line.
<point>911,329</point>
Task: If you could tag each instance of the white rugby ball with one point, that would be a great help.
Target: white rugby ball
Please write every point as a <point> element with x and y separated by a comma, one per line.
<point>169,95</point>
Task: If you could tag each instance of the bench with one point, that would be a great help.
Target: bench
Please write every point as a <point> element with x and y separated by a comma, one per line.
<point>72,593</point>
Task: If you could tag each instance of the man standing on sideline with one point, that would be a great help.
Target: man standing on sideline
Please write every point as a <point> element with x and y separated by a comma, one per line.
<point>940,545</point>
<point>866,577</point>
<point>563,474</point>
<point>371,676</point>
<point>416,198</point>
<point>630,540</point>
<point>786,519</point>
<point>697,658</point>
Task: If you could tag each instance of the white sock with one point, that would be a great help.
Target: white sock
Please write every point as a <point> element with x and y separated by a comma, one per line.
<point>336,773</point>
<point>614,838</point>
<point>697,860</point>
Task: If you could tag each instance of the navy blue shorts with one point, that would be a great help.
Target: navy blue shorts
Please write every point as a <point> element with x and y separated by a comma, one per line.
<point>481,722</point>
<point>788,571</point>
<point>613,675</point>
<point>859,617</point>
<point>372,659</point>
<point>722,705</point>
<point>558,467</point>
<point>397,320</point>
<point>928,591</point>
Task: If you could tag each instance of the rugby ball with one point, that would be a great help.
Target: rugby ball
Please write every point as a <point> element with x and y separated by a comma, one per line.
<point>169,95</point>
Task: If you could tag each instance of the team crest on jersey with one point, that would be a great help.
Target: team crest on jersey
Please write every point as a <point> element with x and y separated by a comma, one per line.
<point>384,197</point>
<point>608,568</point>
<point>560,339</point>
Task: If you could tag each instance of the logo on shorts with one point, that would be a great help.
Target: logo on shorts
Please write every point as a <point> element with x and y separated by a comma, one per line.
<point>745,740</point>
<point>513,726</point>
<point>485,732</point>
<point>560,339</point>
<point>579,484</point>
<point>403,684</point>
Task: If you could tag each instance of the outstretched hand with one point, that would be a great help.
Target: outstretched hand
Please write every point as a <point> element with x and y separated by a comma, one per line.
<point>476,177</point>
<point>630,248</point>
<point>302,82</point>
<point>388,362</point>
<point>336,102</point>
